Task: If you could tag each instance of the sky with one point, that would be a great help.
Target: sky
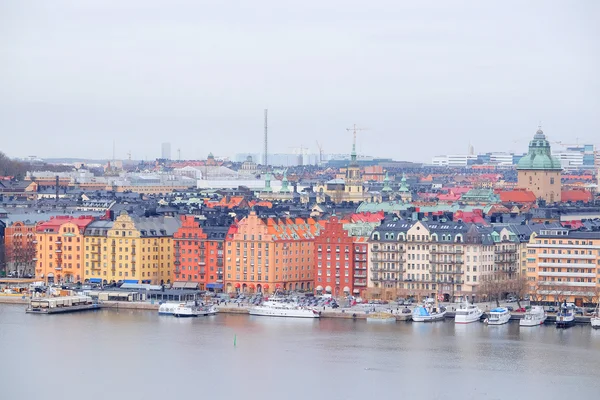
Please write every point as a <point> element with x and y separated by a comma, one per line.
<point>422,78</point>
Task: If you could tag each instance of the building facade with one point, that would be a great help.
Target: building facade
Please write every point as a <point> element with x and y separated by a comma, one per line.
<point>564,265</point>
<point>60,249</point>
<point>539,171</point>
<point>20,248</point>
<point>265,254</point>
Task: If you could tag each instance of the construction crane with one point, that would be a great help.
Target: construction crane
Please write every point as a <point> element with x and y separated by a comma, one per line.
<point>320,153</point>
<point>354,131</point>
<point>178,154</point>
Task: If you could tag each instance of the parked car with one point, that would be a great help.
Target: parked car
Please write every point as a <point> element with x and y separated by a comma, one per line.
<point>509,308</point>
<point>522,309</point>
<point>511,300</point>
<point>551,309</point>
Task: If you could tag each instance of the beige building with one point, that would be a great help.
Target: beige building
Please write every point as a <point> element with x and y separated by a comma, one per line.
<point>539,171</point>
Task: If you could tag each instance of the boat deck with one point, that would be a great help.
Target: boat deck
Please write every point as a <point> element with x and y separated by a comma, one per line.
<point>62,310</point>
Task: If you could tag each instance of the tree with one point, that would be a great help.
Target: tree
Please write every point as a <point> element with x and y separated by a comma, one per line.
<point>520,287</point>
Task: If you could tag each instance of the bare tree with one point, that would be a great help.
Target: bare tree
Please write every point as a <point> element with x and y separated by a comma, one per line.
<point>519,286</point>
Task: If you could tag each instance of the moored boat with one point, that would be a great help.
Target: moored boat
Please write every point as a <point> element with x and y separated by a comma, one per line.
<point>381,317</point>
<point>428,314</point>
<point>188,310</point>
<point>168,308</point>
<point>535,316</point>
<point>595,320</point>
<point>498,316</point>
<point>467,313</point>
<point>276,307</point>
<point>565,318</point>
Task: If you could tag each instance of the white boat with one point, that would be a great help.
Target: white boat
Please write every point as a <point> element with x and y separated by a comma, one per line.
<point>428,314</point>
<point>211,310</point>
<point>498,316</point>
<point>168,308</point>
<point>467,313</point>
<point>565,318</point>
<point>595,320</point>
<point>278,307</point>
<point>535,316</point>
<point>188,310</point>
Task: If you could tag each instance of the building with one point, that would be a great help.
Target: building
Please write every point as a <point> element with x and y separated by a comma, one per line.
<point>439,258</point>
<point>265,254</point>
<point>340,261</point>
<point>563,265</point>
<point>132,250</point>
<point>166,151</point>
<point>199,253</point>
<point>539,171</point>
<point>20,248</point>
<point>60,249</point>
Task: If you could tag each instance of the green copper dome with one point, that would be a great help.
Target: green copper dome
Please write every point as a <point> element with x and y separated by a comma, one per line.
<point>539,156</point>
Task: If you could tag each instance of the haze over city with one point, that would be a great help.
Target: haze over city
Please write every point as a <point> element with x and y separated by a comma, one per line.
<point>77,75</point>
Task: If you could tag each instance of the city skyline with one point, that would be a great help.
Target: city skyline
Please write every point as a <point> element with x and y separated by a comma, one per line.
<point>193,75</point>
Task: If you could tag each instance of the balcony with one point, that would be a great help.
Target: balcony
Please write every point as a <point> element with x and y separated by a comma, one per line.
<point>58,251</point>
<point>360,275</point>
<point>505,251</point>
<point>58,268</point>
<point>360,283</point>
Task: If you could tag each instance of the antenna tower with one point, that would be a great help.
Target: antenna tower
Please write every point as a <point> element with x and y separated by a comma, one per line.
<point>266,158</point>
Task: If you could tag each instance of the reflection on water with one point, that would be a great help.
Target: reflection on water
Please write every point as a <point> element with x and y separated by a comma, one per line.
<point>160,356</point>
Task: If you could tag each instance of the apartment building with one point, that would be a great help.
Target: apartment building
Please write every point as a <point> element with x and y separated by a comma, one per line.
<point>564,265</point>
<point>265,254</point>
<point>438,258</point>
<point>131,250</point>
<point>20,248</point>
<point>60,250</point>
<point>199,252</point>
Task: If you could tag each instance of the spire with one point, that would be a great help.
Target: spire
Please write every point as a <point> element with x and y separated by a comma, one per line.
<point>403,184</point>
<point>267,183</point>
<point>284,183</point>
<point>386,183</point>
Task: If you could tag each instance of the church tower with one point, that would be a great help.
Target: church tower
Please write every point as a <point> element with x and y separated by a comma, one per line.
<point>538,171</point>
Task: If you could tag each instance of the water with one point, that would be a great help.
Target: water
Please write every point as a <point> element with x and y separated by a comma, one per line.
<point>130,354</point>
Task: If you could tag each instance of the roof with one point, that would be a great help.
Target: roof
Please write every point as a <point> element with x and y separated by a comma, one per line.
<point>576,195</point>
<point>56,222</point>
<point>517,196</point>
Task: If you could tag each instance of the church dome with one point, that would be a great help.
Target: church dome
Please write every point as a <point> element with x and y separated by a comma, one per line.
<point>539,156</point>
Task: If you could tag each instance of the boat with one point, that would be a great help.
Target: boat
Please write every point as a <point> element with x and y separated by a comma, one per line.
<point>281,307</point>
<point>211,310</point>
<point>189,310</point>
<point>381,317</point>
<point>467,313</point>
<point>498,316</point>
<point>565,318</point>
<point>168,308</point>
<point>428,314</point>
<point>535,316</point>
<point>595,320</point>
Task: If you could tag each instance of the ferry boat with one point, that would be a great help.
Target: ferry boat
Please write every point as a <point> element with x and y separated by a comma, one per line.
<point>595,320</point>
<point>189,310</point>
<point>168,308</point>
<point>467,313</point>
<point>565,318</point>
<point>276,307</point>
<point>535,316</point>
<point>428,314</point>
<point>498,316</point>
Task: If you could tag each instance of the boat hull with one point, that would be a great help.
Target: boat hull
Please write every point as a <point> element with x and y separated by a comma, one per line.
<point>562,322</point>
<point>532,322</point>
<point>467,319</point>
<point>429,318</point>
<point>289,313</point>
<point>499,319</point>
<point>595,322</point>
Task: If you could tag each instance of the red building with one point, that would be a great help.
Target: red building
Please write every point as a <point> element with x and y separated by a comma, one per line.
<point>336,260</point>
<point>198,248</point>
<point>19,243</point>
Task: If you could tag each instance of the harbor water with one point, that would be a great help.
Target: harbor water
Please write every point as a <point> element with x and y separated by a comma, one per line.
<point>133,354</point>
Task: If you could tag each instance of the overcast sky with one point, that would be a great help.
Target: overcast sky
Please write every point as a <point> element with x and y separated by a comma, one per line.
<point>424,77</point>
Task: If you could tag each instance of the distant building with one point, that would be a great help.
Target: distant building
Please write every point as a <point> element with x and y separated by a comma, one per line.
<point>166,151</point>
<point>539,171</point>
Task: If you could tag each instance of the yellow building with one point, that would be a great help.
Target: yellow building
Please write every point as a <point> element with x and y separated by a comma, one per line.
<point>564,265</point>
<point>130,249</point>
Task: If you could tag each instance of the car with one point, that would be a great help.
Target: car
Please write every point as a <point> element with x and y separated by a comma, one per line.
<point>522,309</point>
<point>551,309</point>
<point>408,302</point>
<point>509,308</point>
<point>511,300</point>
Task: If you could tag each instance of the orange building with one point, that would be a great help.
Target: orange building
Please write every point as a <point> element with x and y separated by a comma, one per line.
<point>19,242</point>
<point>199,252</point>
<point>60,249</point>
<point>265,254</point>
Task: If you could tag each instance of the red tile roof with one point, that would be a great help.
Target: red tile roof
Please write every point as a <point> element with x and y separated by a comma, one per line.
<point>576,195</point>
<point>517,196</point>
